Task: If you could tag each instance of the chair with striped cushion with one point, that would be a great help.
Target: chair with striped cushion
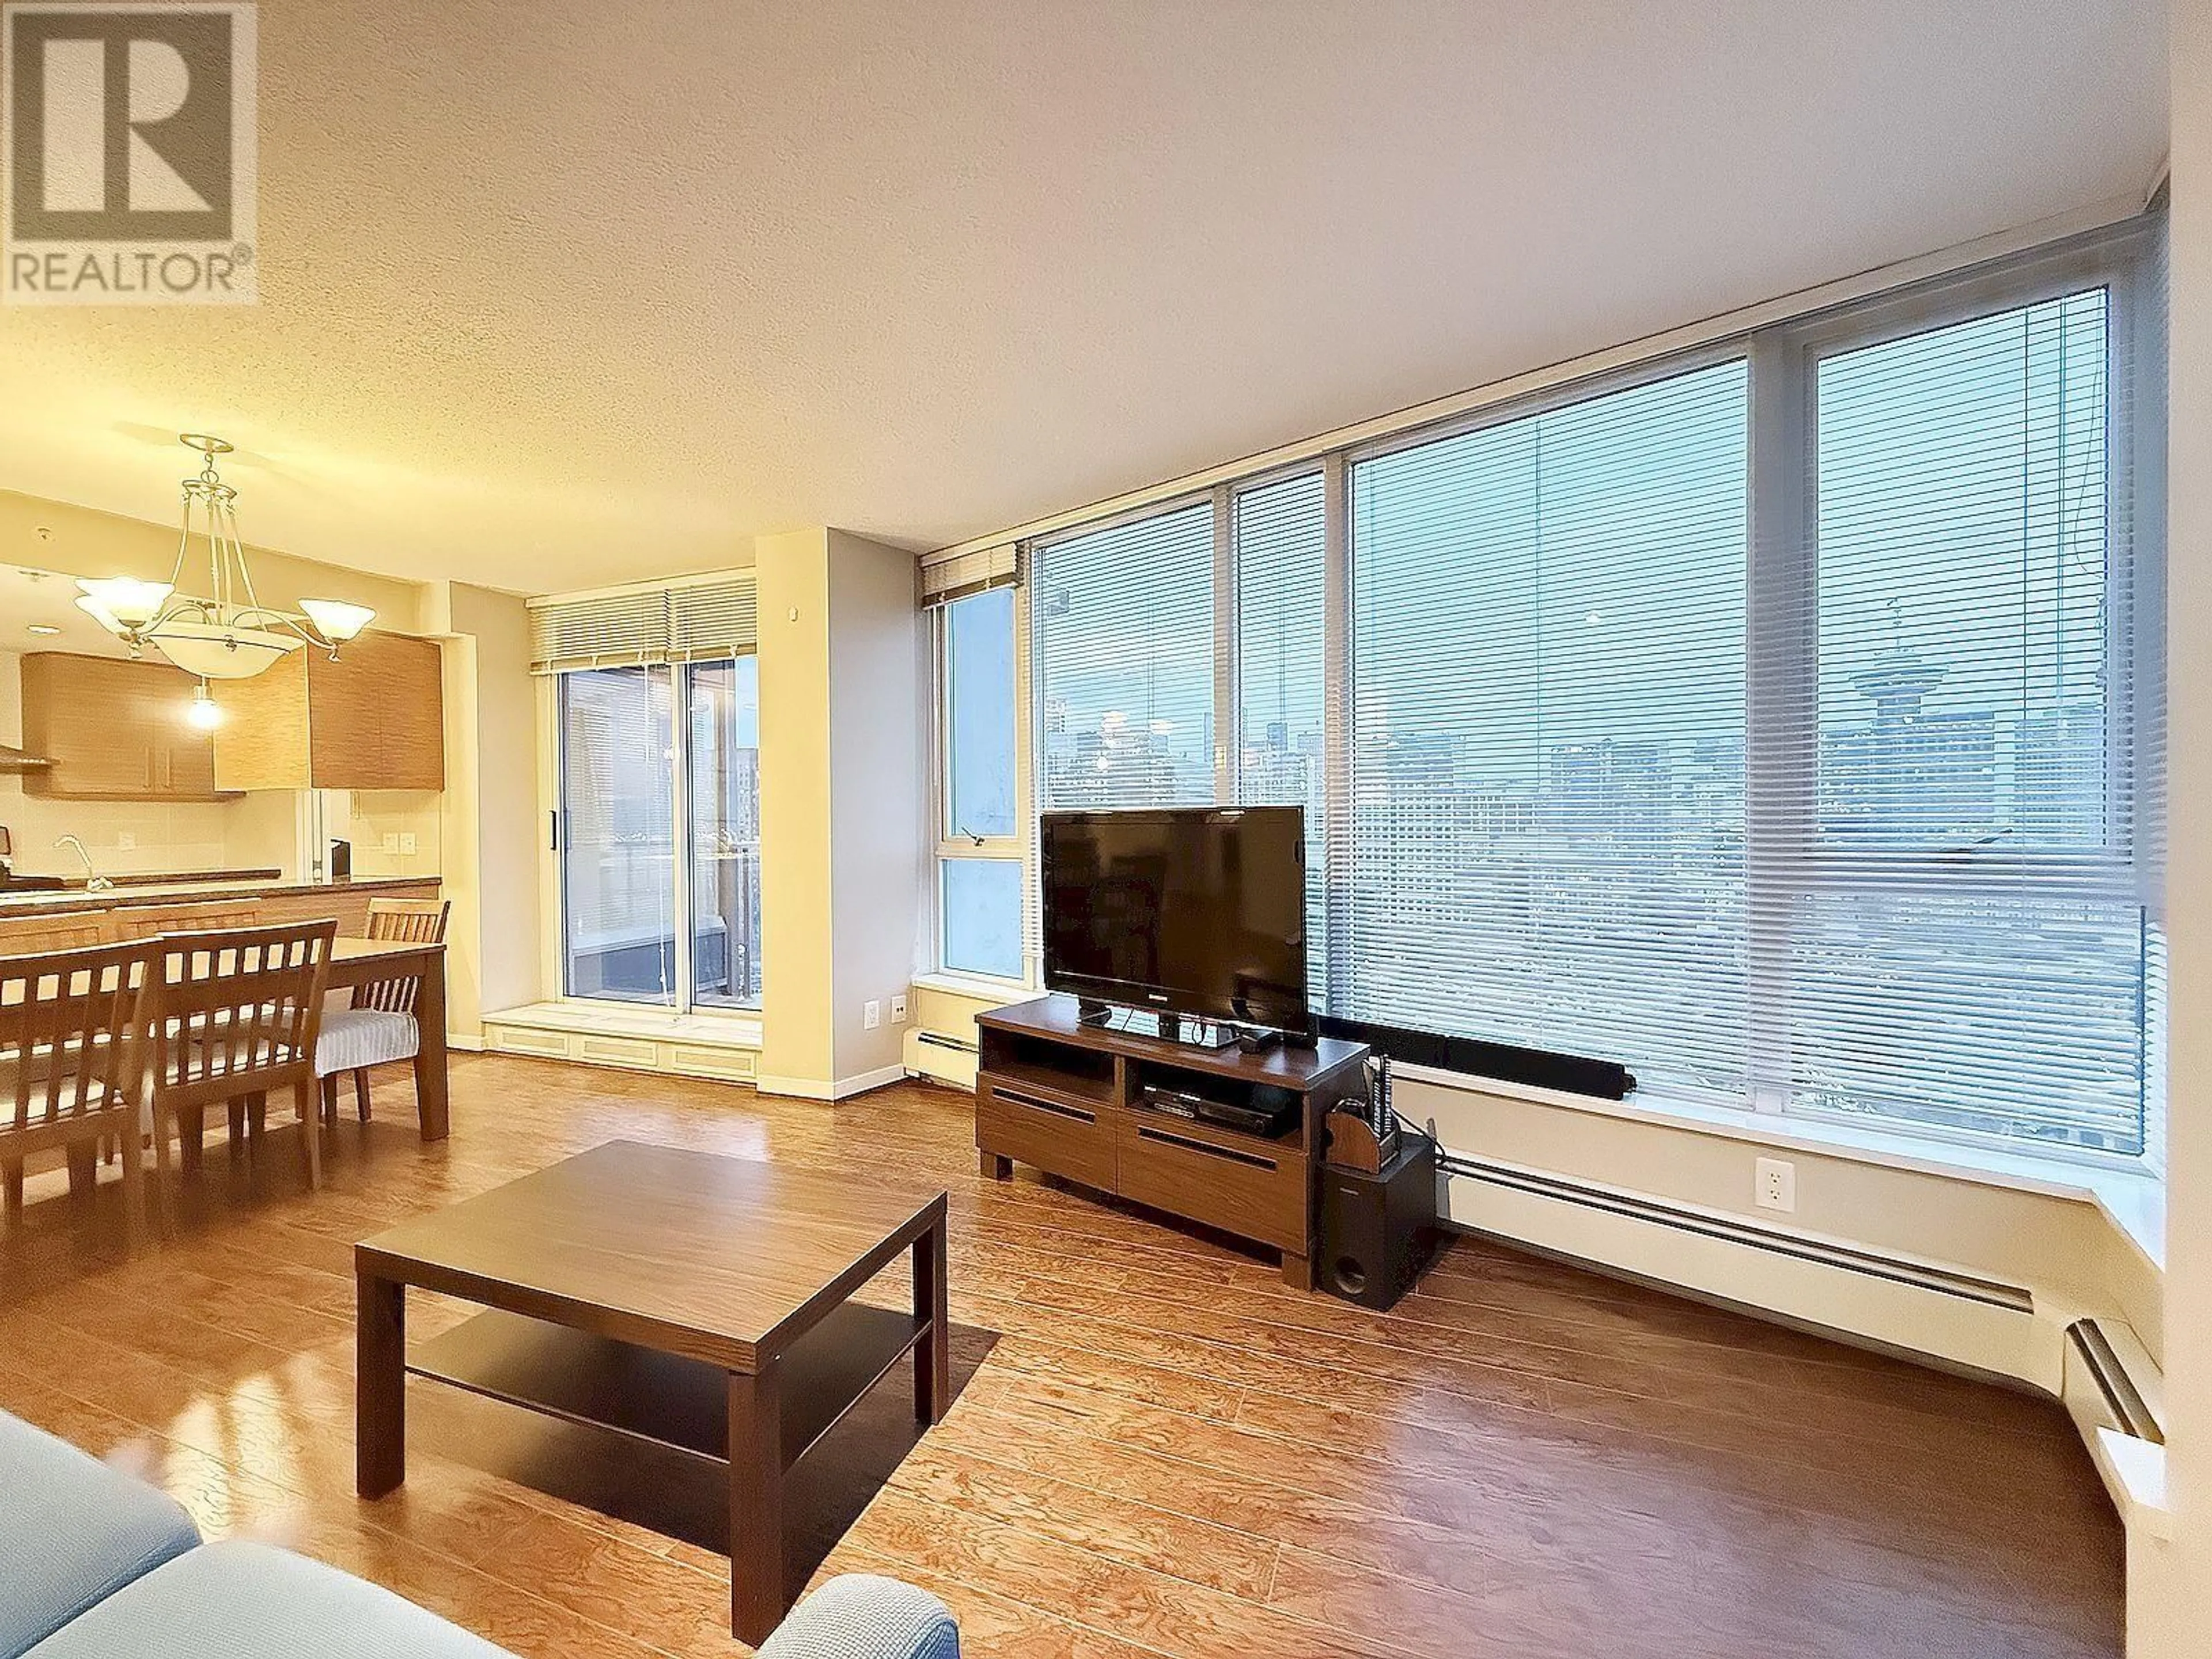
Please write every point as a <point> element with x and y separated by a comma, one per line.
<point>379,1028</point>
<point>233,1017</point>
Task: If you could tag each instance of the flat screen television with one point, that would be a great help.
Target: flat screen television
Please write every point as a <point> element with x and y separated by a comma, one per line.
<point>1197,912</point>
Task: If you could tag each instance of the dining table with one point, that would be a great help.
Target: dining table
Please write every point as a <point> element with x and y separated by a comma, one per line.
<point>358,961</point>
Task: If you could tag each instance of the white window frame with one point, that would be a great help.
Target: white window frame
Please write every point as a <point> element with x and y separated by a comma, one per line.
<point>946,842</point>
<point>552,891</point>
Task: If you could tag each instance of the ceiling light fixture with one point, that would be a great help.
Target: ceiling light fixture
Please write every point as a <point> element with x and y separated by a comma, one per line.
<point>44,630</point>
<point>230,635</point>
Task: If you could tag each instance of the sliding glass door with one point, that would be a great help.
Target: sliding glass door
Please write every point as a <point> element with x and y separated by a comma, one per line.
<point>634,741</point>
<point>722,755</point>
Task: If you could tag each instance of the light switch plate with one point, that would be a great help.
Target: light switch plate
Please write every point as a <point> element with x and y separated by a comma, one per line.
<point>871,1015</point>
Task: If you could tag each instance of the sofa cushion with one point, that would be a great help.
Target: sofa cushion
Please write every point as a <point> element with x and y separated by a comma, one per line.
<point>245,1601</point>
<point>860,1616</point>
<point>72,1530</point>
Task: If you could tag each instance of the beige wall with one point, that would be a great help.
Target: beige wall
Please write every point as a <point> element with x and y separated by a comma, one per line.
<point>840,782</point>
<point>80,541</point>
<point>798,1041</point>
<point>490,825</point>
<point>2169,1584</point>
<point>875,794</point>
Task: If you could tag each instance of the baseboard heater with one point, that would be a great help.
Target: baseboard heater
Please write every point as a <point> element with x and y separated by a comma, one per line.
<point>2129,1412</point>
<point>1942,1281</point>
<point>947,1059</point>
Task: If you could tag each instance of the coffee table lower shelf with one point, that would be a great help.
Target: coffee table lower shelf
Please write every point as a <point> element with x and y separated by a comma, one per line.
<point>664,1399</point>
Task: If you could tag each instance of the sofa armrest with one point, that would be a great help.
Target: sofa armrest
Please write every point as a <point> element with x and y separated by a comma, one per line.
<point>860,1616</point>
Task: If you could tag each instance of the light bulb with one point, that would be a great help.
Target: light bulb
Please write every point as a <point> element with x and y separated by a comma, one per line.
<point>205,713</point>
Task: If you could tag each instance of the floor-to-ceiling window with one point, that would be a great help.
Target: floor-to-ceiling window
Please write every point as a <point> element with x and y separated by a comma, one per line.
<point>1783,721</point>
<point>657,815</point>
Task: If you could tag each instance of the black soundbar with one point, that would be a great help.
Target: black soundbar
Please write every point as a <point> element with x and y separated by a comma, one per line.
<point>1538,1068</point>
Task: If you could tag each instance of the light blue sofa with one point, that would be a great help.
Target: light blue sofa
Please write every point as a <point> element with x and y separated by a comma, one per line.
<point>95,1565</point>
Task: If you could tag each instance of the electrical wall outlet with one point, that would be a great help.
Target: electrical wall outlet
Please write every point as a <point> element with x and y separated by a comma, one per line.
<point>391,841</point>
<point>1774,1185</point>
<point>125,842</point>
<point>871,1015</point>
<point>407,843</point>
<point>899,1008</point>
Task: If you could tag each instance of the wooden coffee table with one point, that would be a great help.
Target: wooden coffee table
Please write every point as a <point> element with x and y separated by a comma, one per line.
<point>697,1302</point>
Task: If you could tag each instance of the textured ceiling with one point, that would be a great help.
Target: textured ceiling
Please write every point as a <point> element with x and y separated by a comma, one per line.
<point>561,293</point>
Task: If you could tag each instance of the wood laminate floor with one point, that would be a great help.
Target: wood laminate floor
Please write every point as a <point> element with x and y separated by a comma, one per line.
<point>1158,1449</point>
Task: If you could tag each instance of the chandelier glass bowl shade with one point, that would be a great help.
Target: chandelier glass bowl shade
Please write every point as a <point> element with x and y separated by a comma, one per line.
<point>229,634</point>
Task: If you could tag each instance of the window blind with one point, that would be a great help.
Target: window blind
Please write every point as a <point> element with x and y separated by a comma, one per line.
<point>1279,539</point>
<point>1545,765</point>
<point>1123,661</point>
<point>675,623</point>
<point>944,581</point>
<point>1964,941</point>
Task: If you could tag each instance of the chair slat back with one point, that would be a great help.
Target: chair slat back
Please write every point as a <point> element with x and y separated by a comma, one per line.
<point>36,935</point>
<point>70,1029</point>
<point>416,921</point>
<point>237,1012</point>
<point>199,915</point>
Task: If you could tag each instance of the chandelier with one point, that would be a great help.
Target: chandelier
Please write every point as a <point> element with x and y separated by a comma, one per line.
<point>230,635</point>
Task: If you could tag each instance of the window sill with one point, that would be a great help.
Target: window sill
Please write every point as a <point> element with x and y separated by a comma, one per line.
<point>2132,1200</point>
<point>976,987</point>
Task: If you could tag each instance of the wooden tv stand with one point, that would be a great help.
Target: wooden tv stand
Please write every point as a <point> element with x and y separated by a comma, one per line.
<point>1064,1097</point>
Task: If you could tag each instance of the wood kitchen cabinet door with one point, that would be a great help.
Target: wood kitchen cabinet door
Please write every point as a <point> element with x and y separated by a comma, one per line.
<point>115,729</point>
<point>374,719</point>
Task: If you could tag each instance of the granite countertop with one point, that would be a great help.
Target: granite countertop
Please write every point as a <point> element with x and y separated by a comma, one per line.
<point>64,901</point>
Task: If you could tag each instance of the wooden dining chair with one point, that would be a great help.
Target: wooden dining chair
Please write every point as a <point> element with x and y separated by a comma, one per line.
<point>38,935</point>
<point>69,1079</point>
<point>381,1026</point>
<point>234,1016</point>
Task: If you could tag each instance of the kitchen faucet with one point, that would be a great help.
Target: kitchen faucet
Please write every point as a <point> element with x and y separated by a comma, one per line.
<point>93,881</point>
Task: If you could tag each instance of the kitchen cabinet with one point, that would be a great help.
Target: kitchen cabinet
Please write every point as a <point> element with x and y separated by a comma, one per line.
<point>112,729</point>
<point>373,719</point>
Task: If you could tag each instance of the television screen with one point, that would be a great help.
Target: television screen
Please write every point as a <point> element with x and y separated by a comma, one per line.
<point>1197,912</point>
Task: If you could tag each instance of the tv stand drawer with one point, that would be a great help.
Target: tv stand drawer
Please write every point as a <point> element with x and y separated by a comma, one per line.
<point>1033,1125</point>
<point>1256,1189</point>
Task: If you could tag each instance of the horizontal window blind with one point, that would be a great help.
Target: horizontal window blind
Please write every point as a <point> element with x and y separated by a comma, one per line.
<point>1546,768</point>
<point>1123,661</point>
<point>1965,942</point>
<point>1280,541</point>
<point>717,619</point>
<point>675,623</point>
<point>947,579</point>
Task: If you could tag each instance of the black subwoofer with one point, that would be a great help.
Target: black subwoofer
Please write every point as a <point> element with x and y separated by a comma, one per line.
<point>1379,1233</point>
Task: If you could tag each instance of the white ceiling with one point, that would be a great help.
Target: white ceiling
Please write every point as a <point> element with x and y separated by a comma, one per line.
<point>561,293</point>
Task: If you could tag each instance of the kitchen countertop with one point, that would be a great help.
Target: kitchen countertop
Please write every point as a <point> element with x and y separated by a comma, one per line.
<point>66,900</point>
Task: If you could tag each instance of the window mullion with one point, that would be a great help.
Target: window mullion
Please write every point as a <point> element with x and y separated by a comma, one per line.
<point>1337,728</point>
<point>1781,736</point>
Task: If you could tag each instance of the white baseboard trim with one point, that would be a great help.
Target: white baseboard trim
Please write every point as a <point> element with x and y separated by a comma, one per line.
<point>798,1088</point>
<point>467,1045</point>
<point>812,1088</point>
<point>880,1077</point>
